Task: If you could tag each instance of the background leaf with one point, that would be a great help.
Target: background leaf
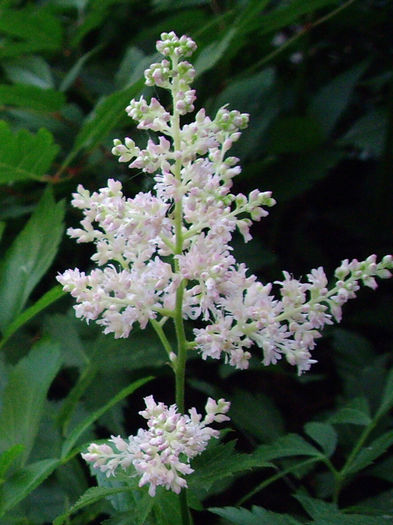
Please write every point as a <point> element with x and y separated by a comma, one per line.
<point>255,516</point>
<point>25,156</point>
<point>328,105</point>
<point>33,97</point>
<point>24,397</point>
<point>29,257</point>
<point>323,434</point>
<point>24,481</point>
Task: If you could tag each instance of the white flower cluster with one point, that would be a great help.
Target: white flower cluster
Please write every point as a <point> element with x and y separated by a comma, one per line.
<point>179,235</point>
<point>161,454</point>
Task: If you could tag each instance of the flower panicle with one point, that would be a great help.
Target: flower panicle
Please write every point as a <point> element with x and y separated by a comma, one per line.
<point>135,283</point>
<point>161,453</point>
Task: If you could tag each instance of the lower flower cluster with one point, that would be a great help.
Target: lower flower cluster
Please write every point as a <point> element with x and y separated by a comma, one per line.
<point>161,454</point>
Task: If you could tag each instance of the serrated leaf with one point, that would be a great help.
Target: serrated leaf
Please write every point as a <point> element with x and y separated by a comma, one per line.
<point>166,508</point>
<point>25,394</point>
<point>43,302</point>
<point>317,508</point>
<point>368,454</point>
<point>29,256</point>
<point>84,425</point>
<point>324,513</point>
<point>350,415</point>
<point>323,434</point>
<point>219,461</point>
<point>92,495</point>
<point>262,419</point>
<point>24,481</point>
<point>286,446</point>
<point>24,155</point>
<point>31,97</point>
<point>329,103</point>
<point>255,516</point>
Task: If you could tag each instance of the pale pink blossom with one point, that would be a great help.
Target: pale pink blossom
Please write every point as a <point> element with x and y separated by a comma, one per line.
<point>161,454</point>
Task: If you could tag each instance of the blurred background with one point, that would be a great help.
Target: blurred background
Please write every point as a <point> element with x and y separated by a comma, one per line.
<point>316,77</point>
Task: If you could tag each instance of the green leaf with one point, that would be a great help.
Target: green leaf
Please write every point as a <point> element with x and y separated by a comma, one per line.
<point>94,13</point>
<point>7,458</point>
<point>29,30</point>
<point>31,97</point>
<point>24,396</point>
<point>29,256</point>
<point>286,446</point>
<point>137,500</point>
<point>255,516</point>
<point>74,72</point>
<point>84,425</point>
<point>323,434</point>
<point>382,503</point>
<point>295,134</point>
<point>219,461</point>
<point>384,469</point>
<point>353,519</point>
<point>262,419</point>
<point>43,302</point>
<point>328,514</point>
<point>317,508</point>
<point>24,481</point>
<point>330,102</point>
<point>23,155</point>
<point>166,509</point>
<point>387,396</point>
<point>105,116</point>
<point>132,66</point>
<point>350,415</point>
<point>91,496</point>
<point>367,133</point>
<point>296,173</point>
<point>286,14</point>
<point>368,454</point>
<point>32,70</point>
<point>211,54</point>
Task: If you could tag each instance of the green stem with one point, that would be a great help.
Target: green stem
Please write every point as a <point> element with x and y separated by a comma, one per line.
<point>161,334</point>
<point>277,476</point>
<point>180,363</point>
<point>342,474</point>
<point>182,344</point>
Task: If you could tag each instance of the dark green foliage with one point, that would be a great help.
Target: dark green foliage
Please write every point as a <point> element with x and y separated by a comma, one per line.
<point>316,77</point>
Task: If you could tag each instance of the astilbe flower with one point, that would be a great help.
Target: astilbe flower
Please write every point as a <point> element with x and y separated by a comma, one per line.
<point>132,235</point>
<point>161,453</point>
<point>168,250</point>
